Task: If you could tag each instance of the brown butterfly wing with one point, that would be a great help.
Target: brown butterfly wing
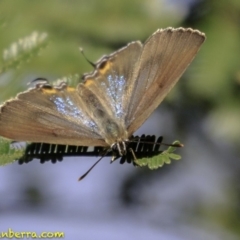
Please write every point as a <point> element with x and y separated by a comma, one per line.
<point>164,58</point>
<point>110,80</point>
<point>51,115</point>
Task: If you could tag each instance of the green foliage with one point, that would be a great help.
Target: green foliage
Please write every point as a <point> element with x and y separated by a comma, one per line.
<point>8,152</point>
<point>12,57</point>
<point>22,50</point>
<point>161,159</point>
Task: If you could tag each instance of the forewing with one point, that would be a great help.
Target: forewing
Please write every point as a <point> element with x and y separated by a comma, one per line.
<point>164,58</point>
<point>51,115</point>
<point>110,80</point>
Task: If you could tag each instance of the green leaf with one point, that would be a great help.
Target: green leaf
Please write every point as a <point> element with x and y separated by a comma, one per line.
<point>8,152</point>
<point>174,156</point>
<point>161,159</point>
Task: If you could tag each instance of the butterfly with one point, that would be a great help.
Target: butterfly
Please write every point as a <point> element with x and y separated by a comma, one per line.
<point>111,103</point>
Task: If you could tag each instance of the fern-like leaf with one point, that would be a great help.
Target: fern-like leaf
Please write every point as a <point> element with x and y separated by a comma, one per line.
<point>9,152</point>
<point>22,50</point>
<point>161,159</point>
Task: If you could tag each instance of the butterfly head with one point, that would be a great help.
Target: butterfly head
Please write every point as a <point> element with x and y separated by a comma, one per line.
<point>116,136</point>
<point>120,147</point>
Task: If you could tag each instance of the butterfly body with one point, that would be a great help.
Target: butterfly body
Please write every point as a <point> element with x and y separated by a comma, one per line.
<point>111,103</point>
<point>111,129</point>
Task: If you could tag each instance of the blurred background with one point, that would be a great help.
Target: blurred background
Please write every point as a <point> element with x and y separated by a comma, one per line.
<point>197,197</point>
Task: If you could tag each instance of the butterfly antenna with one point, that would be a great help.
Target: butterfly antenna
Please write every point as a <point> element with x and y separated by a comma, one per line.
<point>90,62</point>
<point>89,170</point>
